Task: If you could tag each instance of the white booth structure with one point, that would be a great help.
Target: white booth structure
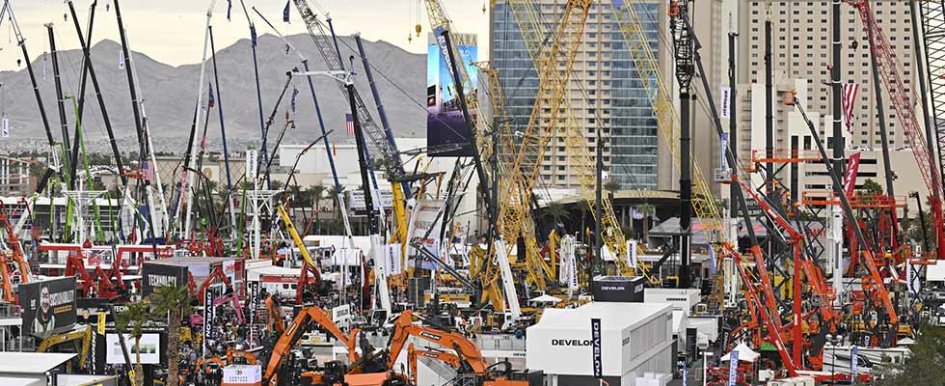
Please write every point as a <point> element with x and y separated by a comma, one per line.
<point>636,344</point>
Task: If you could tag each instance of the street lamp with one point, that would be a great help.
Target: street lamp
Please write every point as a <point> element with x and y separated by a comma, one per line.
<point>834,341</point>
<point>705,366</point>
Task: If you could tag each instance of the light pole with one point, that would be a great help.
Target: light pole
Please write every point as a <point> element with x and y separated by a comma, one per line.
<point>705,366</point>
<point>834,341</point>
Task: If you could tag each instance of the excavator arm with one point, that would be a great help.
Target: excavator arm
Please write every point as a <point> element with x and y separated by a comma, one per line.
<point>294,331</point>
<point>75,266</point>
<point>216,274</point>
<point>14,244</point>
<point>81,335</point>
<point>471,358</point>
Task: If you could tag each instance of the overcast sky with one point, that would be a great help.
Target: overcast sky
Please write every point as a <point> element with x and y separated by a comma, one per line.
<point>172,31</point>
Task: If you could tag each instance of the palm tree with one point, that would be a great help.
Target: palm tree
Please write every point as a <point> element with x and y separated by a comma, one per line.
<point>556,212</point>
<point>612,186</point>
<point>584,207</point>
<point>333,192</point>
<point>317,193</point>
<point>173,302</point>
<point>647,211</point>
<point>132,321</point>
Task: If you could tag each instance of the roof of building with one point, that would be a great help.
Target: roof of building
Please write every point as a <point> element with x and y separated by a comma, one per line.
<point>614,316</point>
<point>31,362</point>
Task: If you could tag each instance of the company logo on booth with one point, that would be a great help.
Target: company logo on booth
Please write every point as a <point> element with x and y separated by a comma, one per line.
<point>570,342</point>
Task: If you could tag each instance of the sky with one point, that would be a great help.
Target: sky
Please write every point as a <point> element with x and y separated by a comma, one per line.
<point>172,31</point>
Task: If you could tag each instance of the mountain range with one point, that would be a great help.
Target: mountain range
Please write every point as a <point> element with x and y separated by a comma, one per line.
<point>170,95</point>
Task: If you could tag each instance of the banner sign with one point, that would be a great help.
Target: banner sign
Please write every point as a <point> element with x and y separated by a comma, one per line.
<point>732,368</point>
<point>392,262</point>
<point>725,106</point>
<point>48,306</point>
<point>207,320</point>
<point>425,225</point>
<point>723,146</point>
<point>156,275</point>
<point>356,200</point>
<point>596,348</point>
<point>341,315</point>
<point>448,134</point>
<point>854,362</point>
<point>149,346</point>
<point>853,168</point>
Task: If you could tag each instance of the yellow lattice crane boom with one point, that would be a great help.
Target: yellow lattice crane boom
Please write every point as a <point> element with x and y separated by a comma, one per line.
<point>647,67</point>
<point>554,62</point>
<point>533,34</point>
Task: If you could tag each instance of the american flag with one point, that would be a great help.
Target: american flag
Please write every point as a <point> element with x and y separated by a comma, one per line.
<point>848,97</point>
<point>211,101</point>
<point>147,171</point>
<point>349,124</point>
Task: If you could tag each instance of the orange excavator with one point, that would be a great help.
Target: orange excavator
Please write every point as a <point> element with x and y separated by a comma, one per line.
<point>307,319</point>
<point>471,365</point>
<point>442,356</point>
<point>274,312</point>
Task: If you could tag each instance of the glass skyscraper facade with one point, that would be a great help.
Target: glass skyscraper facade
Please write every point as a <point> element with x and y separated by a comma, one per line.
<point>604,91</point>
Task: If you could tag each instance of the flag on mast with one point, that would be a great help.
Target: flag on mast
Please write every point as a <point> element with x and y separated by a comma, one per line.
<point>285,12</point>
<point>848,97</point>
<point>349,124</point>
<point>211,101</point>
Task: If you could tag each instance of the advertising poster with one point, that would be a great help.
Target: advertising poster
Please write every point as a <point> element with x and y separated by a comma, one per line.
<point>159,275</point>
<point>448,135</point>
<point>425,224</point>
<point>149,346</point>
<point>48,306</point>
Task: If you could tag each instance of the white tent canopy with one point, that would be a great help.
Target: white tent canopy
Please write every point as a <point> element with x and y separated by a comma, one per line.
<point>745,353</point>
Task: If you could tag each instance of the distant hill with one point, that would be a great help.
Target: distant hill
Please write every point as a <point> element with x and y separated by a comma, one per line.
<point>170,95</point>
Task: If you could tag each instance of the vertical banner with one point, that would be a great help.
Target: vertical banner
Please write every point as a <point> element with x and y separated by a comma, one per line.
<point>723,145</point>
<point>253,302</point>
<point>252,159</point>
<point>853,168</point>
<point>392,264</point>
<point>101,323</point>
<point>854,362</point>
<point>5,133</point>
<point>726,111</point>
<point>732,368</point>
<point>596,347</point>
<point>632,252</point>
<point>207,320</point>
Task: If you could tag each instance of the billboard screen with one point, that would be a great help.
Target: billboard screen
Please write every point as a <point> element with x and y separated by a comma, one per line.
<point>154,275</point>
<point>448,135</point>
<point>48,306</point>
<point>149,346</point>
